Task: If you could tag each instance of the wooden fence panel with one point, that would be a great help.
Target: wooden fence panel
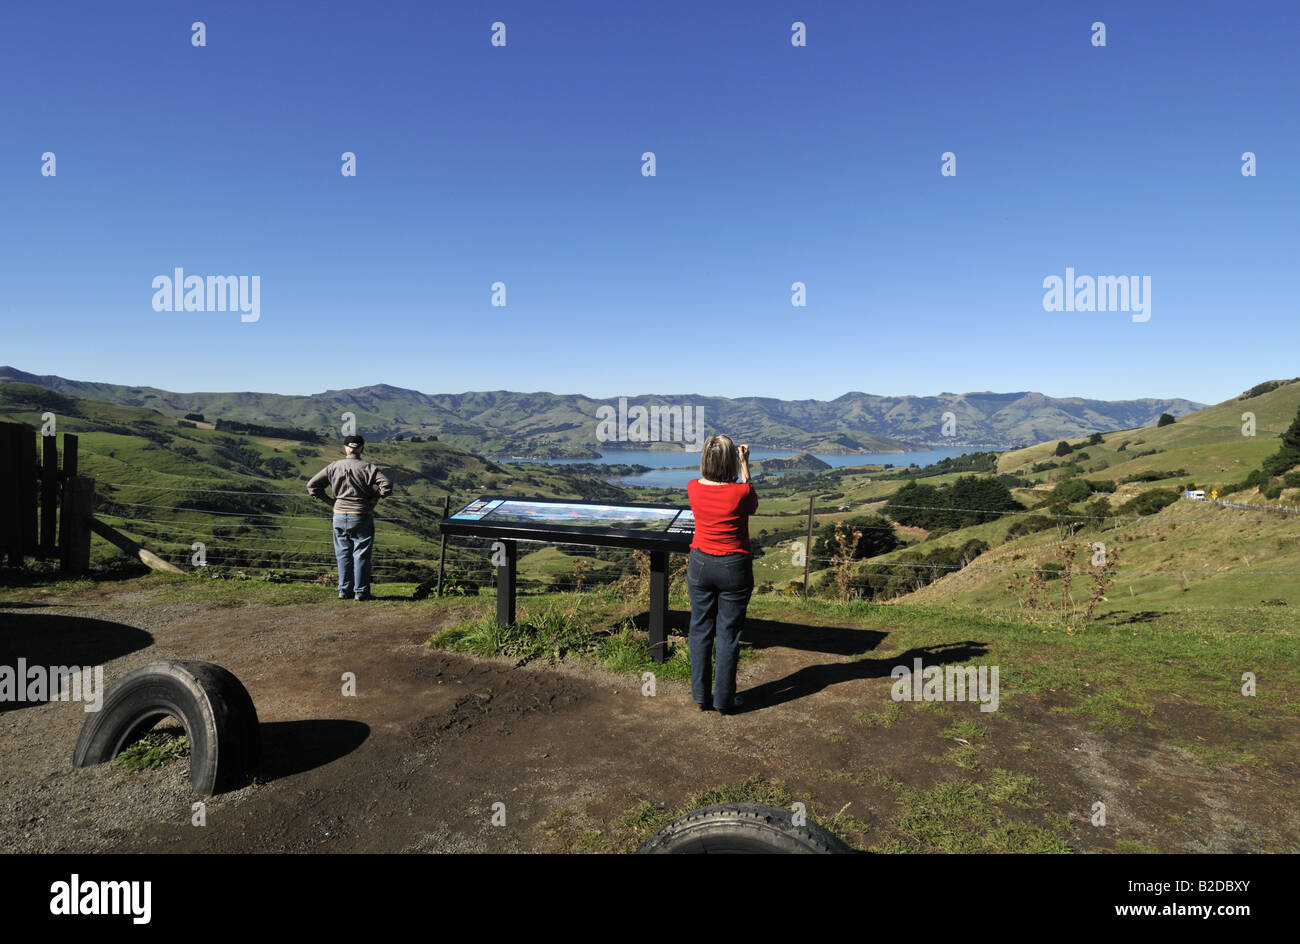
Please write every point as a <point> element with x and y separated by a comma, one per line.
<point>49,497</point>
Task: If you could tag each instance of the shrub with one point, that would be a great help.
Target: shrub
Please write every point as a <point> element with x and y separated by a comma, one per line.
<point>1165,420</point>
<point>1153,475</point>
<point>913,570</point>
<point>1281,461</point>
<point>1071,490</point>
<point>1266,387</point>
<point>1148,503</point>
<point>1029,524</point>
<point>1062,448</point>
<point>1099,509</point>
<point>877,537</point>
<point>967,501</point>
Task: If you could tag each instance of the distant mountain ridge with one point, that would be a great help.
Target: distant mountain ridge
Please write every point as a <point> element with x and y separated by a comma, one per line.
<point>547,425</point>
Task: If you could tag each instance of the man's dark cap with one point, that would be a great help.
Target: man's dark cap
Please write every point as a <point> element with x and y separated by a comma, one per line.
<point>355,441</point>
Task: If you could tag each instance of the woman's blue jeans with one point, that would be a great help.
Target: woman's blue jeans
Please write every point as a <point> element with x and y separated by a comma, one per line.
<point>720,586</point>
<point>354,538</point>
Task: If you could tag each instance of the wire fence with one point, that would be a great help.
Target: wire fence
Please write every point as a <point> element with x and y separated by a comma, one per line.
<point>272,535</point>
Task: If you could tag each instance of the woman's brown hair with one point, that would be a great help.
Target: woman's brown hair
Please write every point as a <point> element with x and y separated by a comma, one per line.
<point>718,459</point>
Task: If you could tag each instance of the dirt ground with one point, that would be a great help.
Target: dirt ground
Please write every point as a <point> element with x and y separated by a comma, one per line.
<point>431,740</point>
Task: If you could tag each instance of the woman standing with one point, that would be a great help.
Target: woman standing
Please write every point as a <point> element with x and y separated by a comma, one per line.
<point>720,573</point>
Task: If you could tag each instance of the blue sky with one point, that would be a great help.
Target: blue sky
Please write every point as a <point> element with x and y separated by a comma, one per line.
<point>775,164</point>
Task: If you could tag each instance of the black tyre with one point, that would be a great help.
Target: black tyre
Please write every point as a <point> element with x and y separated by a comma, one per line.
<point>215,709</point>
<point>741,828</point>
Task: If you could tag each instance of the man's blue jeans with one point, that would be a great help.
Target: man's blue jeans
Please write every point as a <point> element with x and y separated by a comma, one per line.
<point>720,586</point>
<point>354,538</point>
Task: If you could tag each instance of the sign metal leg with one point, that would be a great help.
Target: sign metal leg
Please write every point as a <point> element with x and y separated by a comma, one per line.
<point>506,585</point>
<point>658,605</point>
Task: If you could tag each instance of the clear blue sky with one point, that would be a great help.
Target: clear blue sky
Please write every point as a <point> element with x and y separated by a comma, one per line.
<point>774,164</point>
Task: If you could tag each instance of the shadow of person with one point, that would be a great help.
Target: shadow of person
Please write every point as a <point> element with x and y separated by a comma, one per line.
<point>50,639</point>
<point>814,678</point>
<point>293,747</point>
<point>831,640</point>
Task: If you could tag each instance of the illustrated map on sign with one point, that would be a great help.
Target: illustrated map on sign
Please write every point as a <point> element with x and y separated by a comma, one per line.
<point>575,514</point>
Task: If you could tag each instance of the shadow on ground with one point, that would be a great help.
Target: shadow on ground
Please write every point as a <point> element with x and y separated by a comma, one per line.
<point>293,747</point>
<point>831,640</point>
<point>815,678</point>
<point>46,640</point>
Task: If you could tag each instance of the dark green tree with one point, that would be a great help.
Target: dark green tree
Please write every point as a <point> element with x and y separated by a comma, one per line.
<point>1165,420</point>
<point>1288,453</point>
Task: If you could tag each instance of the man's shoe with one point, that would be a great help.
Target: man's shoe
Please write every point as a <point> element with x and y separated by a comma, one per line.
<point>365,597</point>
<point>736,704</point>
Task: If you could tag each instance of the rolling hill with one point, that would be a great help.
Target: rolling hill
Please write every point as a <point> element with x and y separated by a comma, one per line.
<point>169,483</point>
<point>547,425</point>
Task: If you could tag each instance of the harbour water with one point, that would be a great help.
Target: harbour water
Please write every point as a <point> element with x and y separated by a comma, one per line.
<point>674,469</point>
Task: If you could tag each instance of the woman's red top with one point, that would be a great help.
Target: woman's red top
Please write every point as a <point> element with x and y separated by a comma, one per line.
<point>722,516</point>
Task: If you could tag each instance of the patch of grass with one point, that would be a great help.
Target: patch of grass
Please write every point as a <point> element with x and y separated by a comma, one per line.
<point>886,717</point>
<point>846,826</point>
<point>845,776</point>
<point>1222,755</point>
<point>965,729</point>
<point>641,822</point>
<point>570,833</point>
<point>754,789</point>
<point>965,756</point>
<point>628,651</point>
<point>935,708</point>
<point>566,626</point>
<point>1016,789</point>
<point>961,817</point>
<point>1108,710</point>
<point>1132,846</point>
<point>154,750</point>
<point>551,634</point>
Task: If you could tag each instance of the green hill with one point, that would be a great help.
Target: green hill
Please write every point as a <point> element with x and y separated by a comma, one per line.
<point>547,425</point>
<point>1193,556</point>
<point>169,483</point>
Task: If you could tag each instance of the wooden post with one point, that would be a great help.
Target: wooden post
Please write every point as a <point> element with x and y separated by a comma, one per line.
<point>69,456</point>
<point>78,497</point>
<point>26,495</point>
<point>123,542</point>
<point>442,553</point>
<point>807,551</point>
<point>49,495</point>
<point>10,522</point>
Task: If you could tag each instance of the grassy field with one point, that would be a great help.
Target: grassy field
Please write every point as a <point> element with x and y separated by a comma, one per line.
<point>951,778</point>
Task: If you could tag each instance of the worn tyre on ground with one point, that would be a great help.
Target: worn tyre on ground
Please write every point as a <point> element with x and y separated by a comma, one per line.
<point>741,828</point>
<point>212,705</point>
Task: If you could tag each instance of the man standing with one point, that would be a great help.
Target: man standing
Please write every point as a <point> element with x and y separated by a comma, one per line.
<point>358,485</point>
